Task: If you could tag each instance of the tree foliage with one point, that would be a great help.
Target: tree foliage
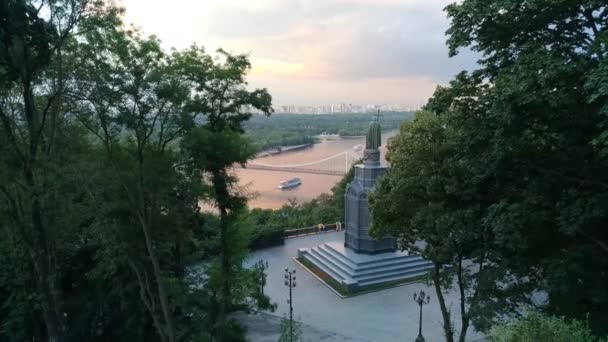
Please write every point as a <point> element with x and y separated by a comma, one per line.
<point>291,331</point>
<point>539,328</point>
<point>512,154</point>
<point>106,141</point>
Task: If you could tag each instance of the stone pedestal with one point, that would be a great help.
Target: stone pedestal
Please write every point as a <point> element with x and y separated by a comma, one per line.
<point>357,218</point>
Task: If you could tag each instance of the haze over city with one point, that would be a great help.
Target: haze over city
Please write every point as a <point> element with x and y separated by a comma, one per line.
<point>318,52</point>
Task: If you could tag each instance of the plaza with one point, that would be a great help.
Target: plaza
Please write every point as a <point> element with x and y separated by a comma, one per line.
<point>385,316</point>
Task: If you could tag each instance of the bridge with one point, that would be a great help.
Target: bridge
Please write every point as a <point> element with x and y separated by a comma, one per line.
<point>336,165</point>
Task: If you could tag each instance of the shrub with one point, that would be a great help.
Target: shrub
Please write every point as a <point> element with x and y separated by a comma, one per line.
<point>535,327</point>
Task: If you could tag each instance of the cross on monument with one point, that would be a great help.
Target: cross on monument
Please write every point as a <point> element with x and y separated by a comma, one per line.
<point>377,116</point>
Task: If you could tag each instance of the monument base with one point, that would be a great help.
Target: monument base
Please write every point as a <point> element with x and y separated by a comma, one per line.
<point>369,246</point>
<point>354,271</point>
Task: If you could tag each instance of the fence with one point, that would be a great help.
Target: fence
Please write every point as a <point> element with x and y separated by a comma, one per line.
<point>332,227</point>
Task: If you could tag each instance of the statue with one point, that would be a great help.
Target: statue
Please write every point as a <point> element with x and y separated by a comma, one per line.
<point>373,140</point>
<point>374,137</point>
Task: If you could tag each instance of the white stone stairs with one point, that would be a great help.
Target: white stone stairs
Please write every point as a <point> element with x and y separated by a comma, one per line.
<point>362,271</point>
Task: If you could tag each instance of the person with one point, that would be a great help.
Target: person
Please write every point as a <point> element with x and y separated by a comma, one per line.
<point>322,227</point>
<point>319,227</point>
<point>339,226</point>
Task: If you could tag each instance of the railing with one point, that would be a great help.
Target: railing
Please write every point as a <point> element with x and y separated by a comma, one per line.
<point>332,227</point>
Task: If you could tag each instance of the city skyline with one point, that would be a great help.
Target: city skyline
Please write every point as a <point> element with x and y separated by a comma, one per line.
<point>318,52</point>
<point>343,107</point>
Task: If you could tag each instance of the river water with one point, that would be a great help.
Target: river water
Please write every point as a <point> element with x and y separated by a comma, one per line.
<point>263,184</point>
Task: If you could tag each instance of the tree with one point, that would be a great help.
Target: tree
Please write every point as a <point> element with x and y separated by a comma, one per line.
<point>98,202</point>
<point>537,327</point>
<point>40,147</point>
<point>136,100</point>
<point>429,196</point>
<point>217,145</point>
<point>291,331</point>
<point>537,105</point>
<point>509,159</point>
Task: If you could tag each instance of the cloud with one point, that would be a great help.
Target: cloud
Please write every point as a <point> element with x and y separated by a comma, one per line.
<point>295,44</point>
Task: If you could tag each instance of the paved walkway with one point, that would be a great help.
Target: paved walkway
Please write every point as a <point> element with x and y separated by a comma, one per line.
<point>264,327</point>
<point>385,316</point>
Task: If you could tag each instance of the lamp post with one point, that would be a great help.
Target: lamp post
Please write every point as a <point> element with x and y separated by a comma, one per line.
<point>421,299</point>
<point>290,281</point>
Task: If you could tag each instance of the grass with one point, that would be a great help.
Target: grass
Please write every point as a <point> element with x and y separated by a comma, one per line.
<point>344,292</point>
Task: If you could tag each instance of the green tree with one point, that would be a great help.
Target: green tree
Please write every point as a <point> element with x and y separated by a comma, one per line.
<point>509,161</point>
<point>41,149</point>
<point>291,331</point>
<point>430,204</point>
<point>539,328</point>
<point>536,109</point>
<point>218,144</point>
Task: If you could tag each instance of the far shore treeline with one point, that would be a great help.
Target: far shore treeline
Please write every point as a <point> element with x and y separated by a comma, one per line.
<point>295,129</point>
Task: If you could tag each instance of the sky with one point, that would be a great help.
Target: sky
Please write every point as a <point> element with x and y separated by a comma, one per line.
<point>317,52</point>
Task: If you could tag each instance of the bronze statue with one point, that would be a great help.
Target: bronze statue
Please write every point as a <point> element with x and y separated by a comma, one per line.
<point>373,141</point>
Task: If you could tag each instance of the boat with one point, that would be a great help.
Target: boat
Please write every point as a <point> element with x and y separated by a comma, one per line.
<point>290,184</point>
<point>358,147</point>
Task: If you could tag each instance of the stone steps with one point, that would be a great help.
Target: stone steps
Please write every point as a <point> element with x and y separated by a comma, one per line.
<point>390,279</point>
<point>347,269</point>
<point>345,263</point>
<point>403,273</point>
<point>393,269</point>
<point>374,259</point>
<point>325,266</point>
<point>404,265</point>
<point>376,264</point>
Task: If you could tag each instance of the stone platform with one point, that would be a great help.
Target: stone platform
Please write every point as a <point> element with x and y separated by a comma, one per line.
<point>354,271</point>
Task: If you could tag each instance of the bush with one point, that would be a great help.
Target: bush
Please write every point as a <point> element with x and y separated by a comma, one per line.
<point>266,236</point>
<point>536,327</point>
<point>265,229</point>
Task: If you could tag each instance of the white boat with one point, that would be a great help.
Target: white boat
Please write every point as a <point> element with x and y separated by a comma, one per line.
<point>358,147</point>
<point>289,184</point>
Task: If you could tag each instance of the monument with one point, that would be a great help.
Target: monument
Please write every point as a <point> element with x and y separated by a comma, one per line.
<point>363,261</point>
<point>356,211</point>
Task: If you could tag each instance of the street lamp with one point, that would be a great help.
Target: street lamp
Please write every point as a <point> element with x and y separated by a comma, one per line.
<point>422,299</point>
<point>290,281</point>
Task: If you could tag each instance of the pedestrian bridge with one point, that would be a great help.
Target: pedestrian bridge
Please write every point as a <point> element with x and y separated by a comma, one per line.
<point>336,165</point>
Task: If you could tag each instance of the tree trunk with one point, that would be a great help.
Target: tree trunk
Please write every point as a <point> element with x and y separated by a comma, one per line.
<point>222,196</point>
<point>445,313</point>
<point>464,317</point>
<point>47,275</point>
<point>225,295</point>
<point>145,222</point>
<point>160,285</point>
<point>145,294</point>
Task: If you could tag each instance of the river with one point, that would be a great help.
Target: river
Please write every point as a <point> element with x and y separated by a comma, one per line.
<point>263,184</point>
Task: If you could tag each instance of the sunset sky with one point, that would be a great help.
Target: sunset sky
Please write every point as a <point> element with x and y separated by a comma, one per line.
<point>315,52</point>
